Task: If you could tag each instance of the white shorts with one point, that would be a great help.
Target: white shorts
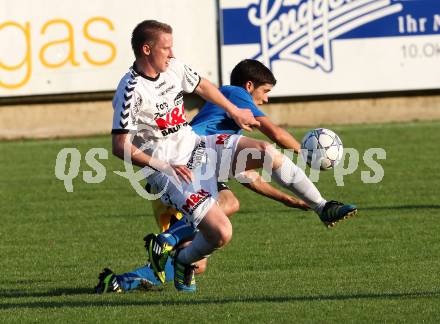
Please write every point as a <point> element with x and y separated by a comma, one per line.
<point>210,162</point>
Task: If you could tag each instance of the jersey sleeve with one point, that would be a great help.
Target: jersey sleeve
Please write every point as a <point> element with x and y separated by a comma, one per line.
<point>125,102</point>
<point>189,78</point>
<point>243,101</point>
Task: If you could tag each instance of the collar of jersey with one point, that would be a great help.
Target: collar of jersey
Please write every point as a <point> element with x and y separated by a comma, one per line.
<point>144,75</point>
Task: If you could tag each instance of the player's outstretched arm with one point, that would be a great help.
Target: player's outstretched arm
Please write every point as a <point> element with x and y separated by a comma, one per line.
<point>121,144</point>
<point>278,135</point>
<point>243,117</point>
<point>252,180</point>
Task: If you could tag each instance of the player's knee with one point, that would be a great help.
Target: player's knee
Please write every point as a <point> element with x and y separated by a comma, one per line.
<point>224,235</point>
<point>216,227</point>
<point>225,238</point>
<point>263,146</point>
<point>270,152</point>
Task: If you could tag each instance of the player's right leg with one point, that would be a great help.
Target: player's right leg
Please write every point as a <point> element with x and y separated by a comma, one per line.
<point>160,246</point>
<point>175,229</point>
<point>290,176</point>
<point>215,231</point>
<point>196,201</point>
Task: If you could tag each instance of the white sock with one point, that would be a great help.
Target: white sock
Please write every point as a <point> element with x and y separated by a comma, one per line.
<point>199,249</point>
<point>294,179</point>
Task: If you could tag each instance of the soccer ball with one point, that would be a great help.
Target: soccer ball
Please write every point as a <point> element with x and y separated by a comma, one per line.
<point>322,149</point>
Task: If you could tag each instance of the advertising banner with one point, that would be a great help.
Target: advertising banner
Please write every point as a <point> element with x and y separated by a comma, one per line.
<point>319,47</point>
<point>52,47</point>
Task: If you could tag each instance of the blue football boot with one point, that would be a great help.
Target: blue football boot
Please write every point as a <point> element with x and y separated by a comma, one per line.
<point>184,276</point>
<point>335,211</point>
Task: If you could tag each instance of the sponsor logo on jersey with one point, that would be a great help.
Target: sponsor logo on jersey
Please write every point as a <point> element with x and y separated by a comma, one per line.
<point>172,121</point>
<point>173,129</point>
<point>162,106</point>
<point>195,200</point>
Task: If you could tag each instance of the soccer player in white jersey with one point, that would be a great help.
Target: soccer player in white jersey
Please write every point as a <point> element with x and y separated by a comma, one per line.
<point>149,104</point>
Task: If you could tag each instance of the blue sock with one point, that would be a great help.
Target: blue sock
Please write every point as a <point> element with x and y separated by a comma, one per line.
<point>132,280</point>
<point>178,232</point>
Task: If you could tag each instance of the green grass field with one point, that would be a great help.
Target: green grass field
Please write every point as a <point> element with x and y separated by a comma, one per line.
<point>282,266</point>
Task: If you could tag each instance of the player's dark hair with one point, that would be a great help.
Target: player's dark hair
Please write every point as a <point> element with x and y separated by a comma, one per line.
<point>251,70</point>
<point>147,32</point>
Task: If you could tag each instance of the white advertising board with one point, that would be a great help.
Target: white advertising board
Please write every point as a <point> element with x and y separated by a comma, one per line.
<point>50,47</point>
<point>320,47</point>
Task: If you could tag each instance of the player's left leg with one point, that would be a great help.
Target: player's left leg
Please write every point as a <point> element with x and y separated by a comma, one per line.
<point>141,278</point>
<point>144,277</point>
<point>169,221</point>
<point>108,283</point>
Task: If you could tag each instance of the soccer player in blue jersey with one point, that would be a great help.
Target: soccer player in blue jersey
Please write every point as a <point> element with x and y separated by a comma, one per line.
<point>251,83</point>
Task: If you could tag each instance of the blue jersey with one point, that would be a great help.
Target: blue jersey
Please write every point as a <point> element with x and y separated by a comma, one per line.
<point>212,119</point>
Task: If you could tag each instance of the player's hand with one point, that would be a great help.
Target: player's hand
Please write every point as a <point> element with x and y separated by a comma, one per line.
<point>183,172</point>
<point>176,172</point>
<point>296,203</point>
<point>245,119</point>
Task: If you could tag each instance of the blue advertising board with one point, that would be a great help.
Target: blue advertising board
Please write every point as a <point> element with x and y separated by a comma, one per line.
<point>335,46</point>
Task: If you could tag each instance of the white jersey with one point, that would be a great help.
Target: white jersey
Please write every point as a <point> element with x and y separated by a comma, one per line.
<point>153,109</point>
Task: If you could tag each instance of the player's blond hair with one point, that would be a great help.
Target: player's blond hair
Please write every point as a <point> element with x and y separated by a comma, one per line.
<point>147,32</point>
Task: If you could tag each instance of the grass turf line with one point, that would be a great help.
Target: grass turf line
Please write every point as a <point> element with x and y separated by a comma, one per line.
<point>282,265</point>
